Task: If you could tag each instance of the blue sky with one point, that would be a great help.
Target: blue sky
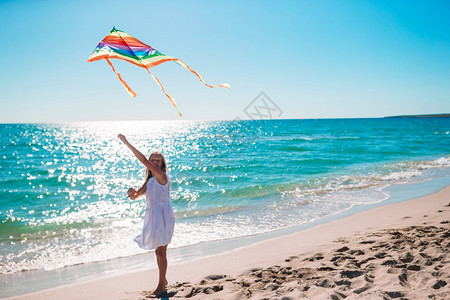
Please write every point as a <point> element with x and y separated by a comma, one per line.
<point>314,59</point>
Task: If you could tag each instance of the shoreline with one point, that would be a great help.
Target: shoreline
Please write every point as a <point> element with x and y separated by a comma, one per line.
<point>263,254</point>
<point>33,281</point>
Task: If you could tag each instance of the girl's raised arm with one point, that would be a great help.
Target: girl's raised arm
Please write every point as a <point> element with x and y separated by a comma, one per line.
<point>158,173</point>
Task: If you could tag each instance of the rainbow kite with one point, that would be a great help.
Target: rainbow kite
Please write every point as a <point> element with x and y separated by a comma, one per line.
<point>119,44</point>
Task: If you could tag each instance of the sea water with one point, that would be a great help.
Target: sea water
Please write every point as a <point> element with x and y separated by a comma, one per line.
<point>63,186</point>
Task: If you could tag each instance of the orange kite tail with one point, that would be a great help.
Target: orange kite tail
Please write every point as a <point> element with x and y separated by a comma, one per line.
<point>225,85</point>
<point>127,87</point>
<point>167,95</point>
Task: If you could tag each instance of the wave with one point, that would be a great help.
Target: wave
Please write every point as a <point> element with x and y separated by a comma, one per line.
<point>384,175</point>
<point>231,179</point>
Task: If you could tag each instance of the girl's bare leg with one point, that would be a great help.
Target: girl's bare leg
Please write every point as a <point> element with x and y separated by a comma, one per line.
<point>161,259</point>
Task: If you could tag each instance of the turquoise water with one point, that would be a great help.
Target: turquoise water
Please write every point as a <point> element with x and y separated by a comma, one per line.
<point>63,186</point>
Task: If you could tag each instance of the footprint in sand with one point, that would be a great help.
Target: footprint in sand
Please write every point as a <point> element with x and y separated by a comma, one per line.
<point>363,289</point>
<point>403,278</point>
<point>351,273</point>
<point>395,294</point>
<point>439,284</point>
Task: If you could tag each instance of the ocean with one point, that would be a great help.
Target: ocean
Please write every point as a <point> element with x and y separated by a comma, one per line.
<point>63,186</point>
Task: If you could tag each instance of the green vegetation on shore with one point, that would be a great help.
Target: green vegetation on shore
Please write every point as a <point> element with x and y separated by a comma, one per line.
<point>422,116</point>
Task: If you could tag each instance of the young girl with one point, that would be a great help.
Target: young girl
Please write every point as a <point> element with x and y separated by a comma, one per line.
<point>159,218</point>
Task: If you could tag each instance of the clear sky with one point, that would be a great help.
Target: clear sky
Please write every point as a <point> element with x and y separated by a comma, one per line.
<point>314,59</point>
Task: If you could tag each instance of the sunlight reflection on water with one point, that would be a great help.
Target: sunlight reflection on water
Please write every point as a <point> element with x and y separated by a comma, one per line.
<point>63,186</point>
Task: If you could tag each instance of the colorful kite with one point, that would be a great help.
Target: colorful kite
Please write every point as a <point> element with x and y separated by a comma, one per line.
<point>119,44</point>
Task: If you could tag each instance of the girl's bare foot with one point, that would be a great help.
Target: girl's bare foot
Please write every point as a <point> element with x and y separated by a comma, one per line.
<point>158,293</point>
<point>160,289</point>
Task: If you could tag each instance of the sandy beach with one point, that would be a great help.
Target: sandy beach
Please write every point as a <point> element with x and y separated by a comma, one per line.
<point>396,251</point>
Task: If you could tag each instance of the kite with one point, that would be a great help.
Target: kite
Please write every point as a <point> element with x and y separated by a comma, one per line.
<point>118,44</point>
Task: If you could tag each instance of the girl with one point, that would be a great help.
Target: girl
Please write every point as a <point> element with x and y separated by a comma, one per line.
<point>159,219</point>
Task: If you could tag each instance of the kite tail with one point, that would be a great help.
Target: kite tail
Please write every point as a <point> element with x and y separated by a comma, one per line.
<point>167,95</point>
<point>127,87</point>
<point>225,85</point>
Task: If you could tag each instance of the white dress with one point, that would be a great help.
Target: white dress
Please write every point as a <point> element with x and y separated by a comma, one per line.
<point>159,219</point>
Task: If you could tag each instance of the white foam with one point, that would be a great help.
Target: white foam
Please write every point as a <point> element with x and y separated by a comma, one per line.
<point>401,175</point>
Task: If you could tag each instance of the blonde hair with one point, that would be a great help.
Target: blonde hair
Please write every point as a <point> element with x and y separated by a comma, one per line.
<point>148,173</point>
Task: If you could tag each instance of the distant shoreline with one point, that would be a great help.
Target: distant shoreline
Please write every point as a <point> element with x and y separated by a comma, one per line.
<point>421,116</point>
